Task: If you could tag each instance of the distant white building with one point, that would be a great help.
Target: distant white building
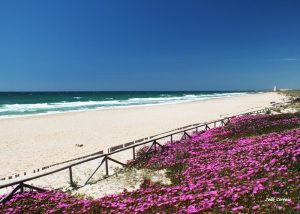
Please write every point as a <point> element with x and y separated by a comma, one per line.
<point>275,88</point>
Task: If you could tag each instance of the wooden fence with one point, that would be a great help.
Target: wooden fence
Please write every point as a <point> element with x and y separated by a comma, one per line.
<point>20,185</point>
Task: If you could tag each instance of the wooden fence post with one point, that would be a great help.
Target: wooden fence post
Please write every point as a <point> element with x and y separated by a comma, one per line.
<point>21,187</point>
<point>106,166</point>
<point>71,176</point>
<point>133,152</point>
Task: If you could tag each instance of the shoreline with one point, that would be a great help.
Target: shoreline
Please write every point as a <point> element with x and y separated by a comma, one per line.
<point>121,107</point>
<point>49,139</point>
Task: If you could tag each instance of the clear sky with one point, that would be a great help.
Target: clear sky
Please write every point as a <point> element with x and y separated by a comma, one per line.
<point>149,44</point>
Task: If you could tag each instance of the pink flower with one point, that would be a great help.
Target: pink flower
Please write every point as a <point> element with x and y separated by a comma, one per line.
<point>280,208</point>
<point>273,161</point>
<point>191,209</point>
<point>237,208</point>
<point>191,185</point>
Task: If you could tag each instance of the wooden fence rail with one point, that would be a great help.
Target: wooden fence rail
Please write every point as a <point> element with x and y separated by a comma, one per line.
<point>20,184</point>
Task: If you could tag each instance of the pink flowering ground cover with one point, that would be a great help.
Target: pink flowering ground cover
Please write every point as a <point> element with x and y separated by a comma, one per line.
<point>254,125</point>
<point>252,165</point>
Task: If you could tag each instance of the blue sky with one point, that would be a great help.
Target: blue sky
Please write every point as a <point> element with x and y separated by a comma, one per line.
<point>149,45</point>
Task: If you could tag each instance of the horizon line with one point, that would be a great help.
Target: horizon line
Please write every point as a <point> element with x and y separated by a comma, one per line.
<point>36,91</point>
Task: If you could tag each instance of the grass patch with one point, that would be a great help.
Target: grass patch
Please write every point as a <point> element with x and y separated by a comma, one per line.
<point>292,93</point>
<point>174,173</point>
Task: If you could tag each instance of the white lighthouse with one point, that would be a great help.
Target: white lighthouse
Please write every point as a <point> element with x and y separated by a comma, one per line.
<point>275,88</point>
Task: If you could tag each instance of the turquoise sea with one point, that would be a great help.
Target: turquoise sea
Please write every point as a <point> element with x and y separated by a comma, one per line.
<point>14,104</point>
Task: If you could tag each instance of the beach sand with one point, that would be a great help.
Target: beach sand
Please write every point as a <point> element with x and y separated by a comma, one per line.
<point>29,143</point>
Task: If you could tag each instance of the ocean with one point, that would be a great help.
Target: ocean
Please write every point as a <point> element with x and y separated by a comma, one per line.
<point>14,104</point>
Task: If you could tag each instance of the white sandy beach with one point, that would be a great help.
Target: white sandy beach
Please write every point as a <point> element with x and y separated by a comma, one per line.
<point>32,142</point>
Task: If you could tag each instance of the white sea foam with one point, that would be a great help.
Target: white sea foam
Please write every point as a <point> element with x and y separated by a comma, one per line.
<point>38,108</point>
<point>45,106</point>
<point>187,97</point>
